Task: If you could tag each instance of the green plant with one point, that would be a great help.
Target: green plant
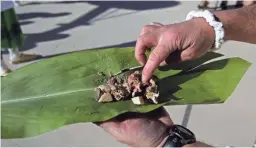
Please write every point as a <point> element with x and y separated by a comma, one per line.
<point>59,91</point>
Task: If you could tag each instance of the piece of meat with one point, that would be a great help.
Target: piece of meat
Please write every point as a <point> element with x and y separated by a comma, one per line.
<point>131,87</point>
<point>134,81</point>
<point>120,93</point>
<point>106,97</point>
<point>112,81</point>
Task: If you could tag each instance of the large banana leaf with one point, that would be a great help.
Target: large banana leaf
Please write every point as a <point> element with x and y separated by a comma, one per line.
<point>58,91</point>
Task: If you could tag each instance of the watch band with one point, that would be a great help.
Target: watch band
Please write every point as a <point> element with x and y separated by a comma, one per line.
<point>173,141</point>
<point>179,136</point>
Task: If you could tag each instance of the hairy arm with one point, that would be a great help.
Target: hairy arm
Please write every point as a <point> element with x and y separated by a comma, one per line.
<point>239,24</point>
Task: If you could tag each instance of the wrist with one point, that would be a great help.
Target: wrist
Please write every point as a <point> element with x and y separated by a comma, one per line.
<point>157,140</point>
<point>225,19</point>
<point>161,141</point>
<point>206,28</point>
<point>179,136</point>
<point>213,21</point>
<point>161,144</point>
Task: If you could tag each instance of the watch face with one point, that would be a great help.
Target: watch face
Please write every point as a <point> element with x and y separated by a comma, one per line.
<point>179,137</point>
<point>187,136</point>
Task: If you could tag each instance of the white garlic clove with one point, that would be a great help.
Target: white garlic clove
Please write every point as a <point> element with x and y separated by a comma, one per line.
<point>138,100</point>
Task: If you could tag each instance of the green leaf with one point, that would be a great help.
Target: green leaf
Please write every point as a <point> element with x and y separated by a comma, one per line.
<point>58,91</point>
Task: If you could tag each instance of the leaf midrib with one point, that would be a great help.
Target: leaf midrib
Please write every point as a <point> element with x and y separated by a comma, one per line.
<point>44,96</point>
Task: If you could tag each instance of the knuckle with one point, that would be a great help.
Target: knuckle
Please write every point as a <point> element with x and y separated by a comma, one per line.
<point>154,57</point>
<point>143,40</point>
<point>172,36</point>
<point>140,40</point>
<point>191,55</point>
<point>146,29</point>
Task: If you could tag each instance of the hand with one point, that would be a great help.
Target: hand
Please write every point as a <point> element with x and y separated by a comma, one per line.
<point>173,43</point>
<point>140,129</point>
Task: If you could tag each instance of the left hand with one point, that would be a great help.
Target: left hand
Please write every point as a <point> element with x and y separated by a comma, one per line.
<point>140,129</point>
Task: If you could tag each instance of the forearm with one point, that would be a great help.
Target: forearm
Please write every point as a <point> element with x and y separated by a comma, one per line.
<point>239,24</point>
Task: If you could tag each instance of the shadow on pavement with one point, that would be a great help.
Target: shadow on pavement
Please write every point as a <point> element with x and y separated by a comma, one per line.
<point>131,5</point>
<point>135,5</point>
<point>31,15</point>
<point>138,5</point>
<point>23,23</point>
<point>52,2</point>
<point>32,39</point>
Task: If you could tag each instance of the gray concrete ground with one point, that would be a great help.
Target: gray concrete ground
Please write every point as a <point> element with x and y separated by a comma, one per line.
<point>53,28</point>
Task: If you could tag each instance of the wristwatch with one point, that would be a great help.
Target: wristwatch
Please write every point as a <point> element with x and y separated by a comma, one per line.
<point>179,136</point>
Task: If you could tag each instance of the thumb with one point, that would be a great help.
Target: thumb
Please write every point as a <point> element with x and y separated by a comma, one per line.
<point>109,125</point>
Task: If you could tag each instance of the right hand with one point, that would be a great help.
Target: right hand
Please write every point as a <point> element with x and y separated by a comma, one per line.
<point>173,43</point>
<point>140,129</point>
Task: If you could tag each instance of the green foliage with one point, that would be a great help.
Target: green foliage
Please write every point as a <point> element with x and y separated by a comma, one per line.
<point>59,91</point>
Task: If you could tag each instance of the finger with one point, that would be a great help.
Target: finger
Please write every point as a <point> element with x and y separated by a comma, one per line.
<point>164,117</point>
<point>160,114</point>
<point>156,24</point>
<point>109,126</point>
<point>166,120</point>
<point>112,127</point>
<point>144,43</point>
<point>158,55</point>
<point>148,29</point>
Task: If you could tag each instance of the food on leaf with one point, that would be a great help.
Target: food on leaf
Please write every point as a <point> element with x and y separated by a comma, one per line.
<point>129,87</point>
<point>106,97</point>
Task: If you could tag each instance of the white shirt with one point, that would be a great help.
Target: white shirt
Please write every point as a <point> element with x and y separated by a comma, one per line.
<point>7,4</point>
